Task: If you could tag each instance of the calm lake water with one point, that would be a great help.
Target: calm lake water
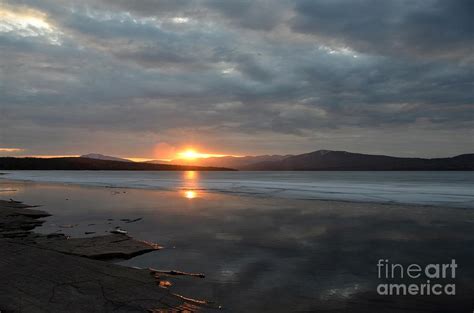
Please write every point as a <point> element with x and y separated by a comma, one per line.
<point>454,189</point>
<point>263,240</point>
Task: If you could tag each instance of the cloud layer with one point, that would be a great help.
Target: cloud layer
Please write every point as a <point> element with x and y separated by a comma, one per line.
<point>237,77</point>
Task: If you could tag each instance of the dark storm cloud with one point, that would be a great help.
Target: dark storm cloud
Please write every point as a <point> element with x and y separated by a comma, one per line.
<point>260,72</point>
<point>426,28</point>
<point>150,7</point>
<point>258,15</point>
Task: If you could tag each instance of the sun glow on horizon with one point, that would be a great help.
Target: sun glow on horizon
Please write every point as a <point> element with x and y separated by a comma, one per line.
<point>191,154</point>
<point>11,150</point>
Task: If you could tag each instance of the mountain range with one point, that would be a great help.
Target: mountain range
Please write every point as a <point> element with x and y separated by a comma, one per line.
<point>325,160</point>
<point>79,163</point>
<point>227,161</point>
<point>98,156</point>
<point>321,160</point>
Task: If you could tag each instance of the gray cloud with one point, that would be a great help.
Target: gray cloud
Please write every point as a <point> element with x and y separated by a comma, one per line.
<point>254,73</point>
<point>150,7</point>
<point>424,28</point>
<point>258,15</point>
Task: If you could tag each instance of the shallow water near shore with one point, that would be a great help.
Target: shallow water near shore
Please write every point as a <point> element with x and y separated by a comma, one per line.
<point>453,189</point>
<point>269,254</point>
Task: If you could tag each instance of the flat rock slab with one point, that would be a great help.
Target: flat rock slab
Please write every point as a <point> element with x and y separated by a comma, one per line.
<point>34,279</point>
<point>17,219</point>
<point>111,246</point>
<point>17,205</point>
<point>53,273</point>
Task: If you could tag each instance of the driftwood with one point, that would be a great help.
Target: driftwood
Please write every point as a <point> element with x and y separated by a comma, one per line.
<point>175,273</point>
<point>127,220</point>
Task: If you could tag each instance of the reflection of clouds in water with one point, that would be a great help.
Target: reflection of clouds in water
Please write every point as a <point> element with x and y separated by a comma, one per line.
<point>228,275</point>
<point>227,236</point>
<point>8,191</point>
<point>299,233</point>
<point>343,292</point>
<point>328,254</point>
<point>305,255</point>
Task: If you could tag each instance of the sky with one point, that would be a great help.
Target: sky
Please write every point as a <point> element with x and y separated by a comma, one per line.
<point>146,79</point>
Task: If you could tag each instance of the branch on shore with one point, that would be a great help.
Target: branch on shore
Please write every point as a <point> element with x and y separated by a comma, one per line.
<point>175,273</point>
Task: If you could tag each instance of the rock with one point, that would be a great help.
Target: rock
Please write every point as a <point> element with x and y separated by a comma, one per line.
<point>15,218</point>
<point>35,279</point>
<point>113,246</point>
<point>16,207</point>
<point>54,273</point>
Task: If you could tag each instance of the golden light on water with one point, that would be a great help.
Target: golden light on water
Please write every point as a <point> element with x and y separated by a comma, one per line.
<point>190,175</point>
<point>191,180</point>
<point>190,194</point>
<point>7,191</point>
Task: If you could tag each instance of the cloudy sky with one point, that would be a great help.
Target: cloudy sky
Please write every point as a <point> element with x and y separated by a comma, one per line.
<point>146,78</point>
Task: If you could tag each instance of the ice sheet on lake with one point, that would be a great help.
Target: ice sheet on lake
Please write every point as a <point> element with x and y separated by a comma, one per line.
<point>453,189</point>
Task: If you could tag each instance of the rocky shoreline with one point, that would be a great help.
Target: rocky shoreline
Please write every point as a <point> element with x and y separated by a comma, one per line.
<point>54,273</point>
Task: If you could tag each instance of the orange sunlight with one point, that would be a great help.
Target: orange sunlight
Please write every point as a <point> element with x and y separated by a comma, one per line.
<point>190,175</point>
<point>191,154</point>
<point>50,156</point>
<point>190,194</point>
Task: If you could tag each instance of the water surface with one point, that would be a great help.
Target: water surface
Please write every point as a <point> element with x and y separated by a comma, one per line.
<point>454,189</point>
<point>267,253</point>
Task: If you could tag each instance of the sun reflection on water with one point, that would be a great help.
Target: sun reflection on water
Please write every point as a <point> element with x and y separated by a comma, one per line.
<point>191,179</point>
<point>190,175</point>
<point>190,194</point>
<point>6,189</point>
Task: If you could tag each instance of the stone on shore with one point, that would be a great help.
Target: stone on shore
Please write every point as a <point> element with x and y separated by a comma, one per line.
<point>113,246</point>
<point>34,279</point>
<point>56,274</point>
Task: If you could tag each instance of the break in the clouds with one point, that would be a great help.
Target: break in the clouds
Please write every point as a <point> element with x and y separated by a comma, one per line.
<point>237,77</point>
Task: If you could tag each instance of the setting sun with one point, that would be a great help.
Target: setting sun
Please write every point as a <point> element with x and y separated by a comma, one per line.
<point>189,154</point>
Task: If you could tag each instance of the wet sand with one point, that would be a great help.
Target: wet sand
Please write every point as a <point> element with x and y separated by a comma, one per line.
<point>271,255</point>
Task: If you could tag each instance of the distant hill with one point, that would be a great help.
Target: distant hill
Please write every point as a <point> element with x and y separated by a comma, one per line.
<point>227,161</point>
<point>240,162</point>
<point>98,156</point>
<point>10,163</point>
<point>322,160</point>
<point>325,160</point>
